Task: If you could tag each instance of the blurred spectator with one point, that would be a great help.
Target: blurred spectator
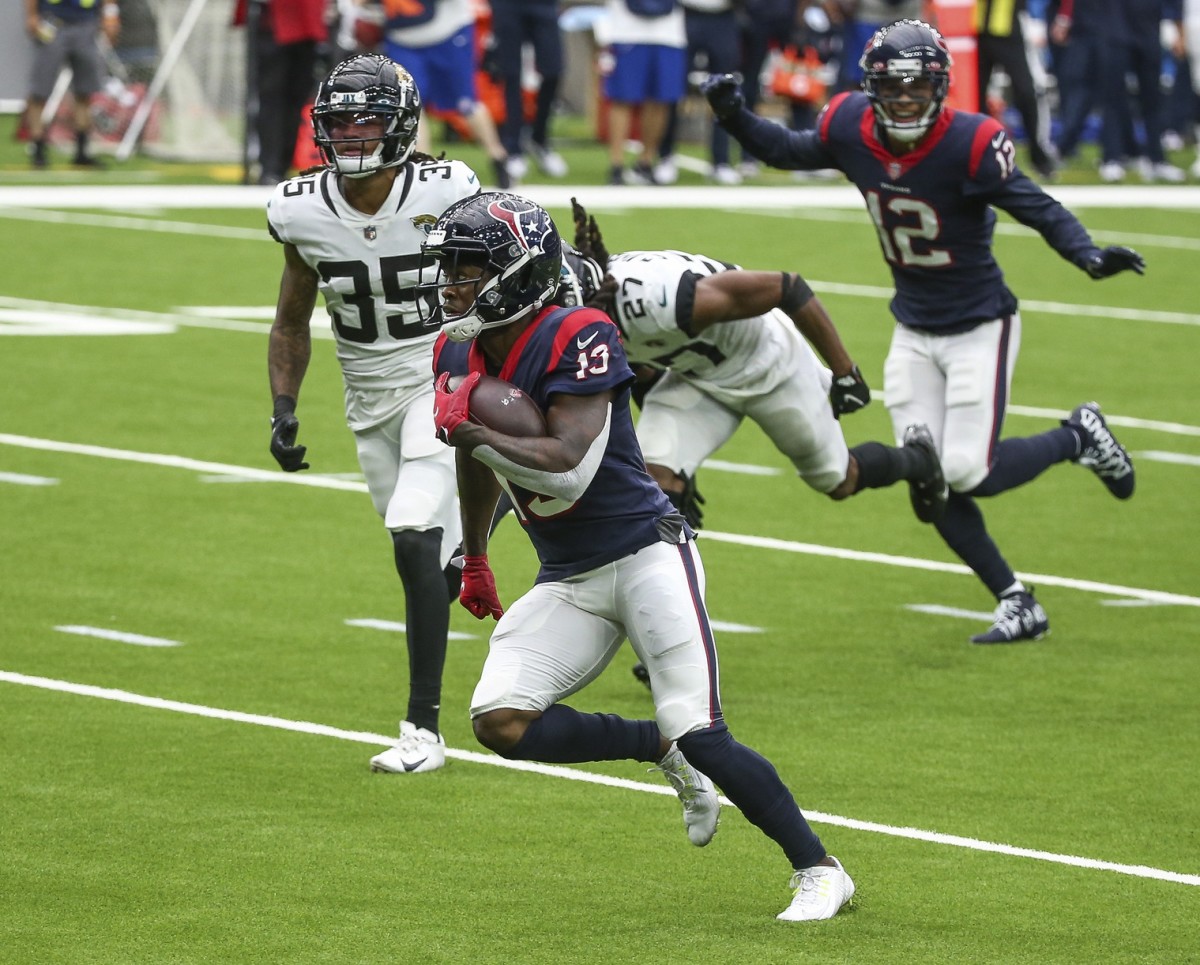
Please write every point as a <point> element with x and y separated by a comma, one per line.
<point>287,36</point>
<point>1001,43</point>
<point>516,23</point>
<point>1078,41</point>
<point>647,71</point>
<point>435,41</point>
<point>66,32</point>
<point>712,46</point>
<point>1139,53</point>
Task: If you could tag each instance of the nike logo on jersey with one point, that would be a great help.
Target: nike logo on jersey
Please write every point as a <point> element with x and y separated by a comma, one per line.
<point>584,343</point>
<point>998,139</point>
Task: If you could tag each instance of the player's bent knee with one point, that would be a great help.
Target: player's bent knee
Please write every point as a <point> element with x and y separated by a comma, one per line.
<point>843,490</point>
<point>500,730</point>
<point>963,472</point>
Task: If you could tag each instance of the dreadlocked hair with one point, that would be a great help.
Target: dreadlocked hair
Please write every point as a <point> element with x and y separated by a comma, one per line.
<point>587,236</point>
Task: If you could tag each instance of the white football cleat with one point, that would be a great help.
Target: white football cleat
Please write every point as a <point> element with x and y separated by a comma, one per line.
<point>701,805</point>
<point>820,892</point>
<point>418,750</point>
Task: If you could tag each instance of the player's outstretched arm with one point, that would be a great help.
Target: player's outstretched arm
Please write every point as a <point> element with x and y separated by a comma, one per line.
<point>732,295</point>
<point>770,143</point>
<point>289,349</point>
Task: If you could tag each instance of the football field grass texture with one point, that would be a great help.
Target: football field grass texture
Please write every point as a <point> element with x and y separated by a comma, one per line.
<point>199,653</point>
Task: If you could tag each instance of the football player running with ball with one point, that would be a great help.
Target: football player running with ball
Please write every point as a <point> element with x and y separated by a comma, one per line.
<point>353,232</point>
<point>930,176</point>
<point>617,560</point>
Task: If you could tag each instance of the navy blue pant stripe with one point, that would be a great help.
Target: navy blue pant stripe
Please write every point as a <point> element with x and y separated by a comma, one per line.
<point>710,644</point>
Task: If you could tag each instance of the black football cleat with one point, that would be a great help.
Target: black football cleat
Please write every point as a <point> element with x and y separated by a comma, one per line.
<point>930,494</point>
<point>642,674</point>
<point>1100,451</point>
<point>1018,617</point>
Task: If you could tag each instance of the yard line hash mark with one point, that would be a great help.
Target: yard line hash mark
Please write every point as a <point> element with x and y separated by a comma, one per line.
<point>762,542</point>
<point>393,626</point>
<point>21,479</point>
<point>549,770</point>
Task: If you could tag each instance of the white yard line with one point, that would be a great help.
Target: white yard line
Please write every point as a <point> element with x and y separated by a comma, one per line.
<point>572,774</point>
<point>594,197</point>
<point>120,636</point>
<point>762,542</point>
<point>861,218</point>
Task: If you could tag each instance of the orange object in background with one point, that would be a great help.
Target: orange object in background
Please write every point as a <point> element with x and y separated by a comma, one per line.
<point>307,154</point>
<point>956,23</point>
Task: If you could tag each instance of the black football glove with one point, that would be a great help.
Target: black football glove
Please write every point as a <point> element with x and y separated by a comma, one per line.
<point>1113,260</point>
<point>284,426</point>
<point>849,393</point>
<point>689,502</point>
<point>724,94</point>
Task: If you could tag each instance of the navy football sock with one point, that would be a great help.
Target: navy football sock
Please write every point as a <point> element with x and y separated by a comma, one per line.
<point>427,619</point>
<point>1020,460</point>
<point>563,735</point>
<point>963,530</point>
<point>751,782</point>
<point>880,465</point>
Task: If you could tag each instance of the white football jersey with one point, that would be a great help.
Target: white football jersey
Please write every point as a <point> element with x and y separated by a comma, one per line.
<point>736,359</point>
<point>368,267</point>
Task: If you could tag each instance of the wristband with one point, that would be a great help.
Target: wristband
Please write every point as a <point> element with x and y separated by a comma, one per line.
<point>112,10</point>
<point>284,405</point>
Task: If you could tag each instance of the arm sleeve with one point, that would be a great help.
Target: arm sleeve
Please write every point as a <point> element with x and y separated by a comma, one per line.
<point>1005,186</point>
<point>779,147</point>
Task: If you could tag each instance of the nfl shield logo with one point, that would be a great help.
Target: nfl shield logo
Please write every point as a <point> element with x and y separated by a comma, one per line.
<point>369,232</point>
<point>894,170</point>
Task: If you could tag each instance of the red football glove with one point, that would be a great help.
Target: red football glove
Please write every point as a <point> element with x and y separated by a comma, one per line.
<point>478,592</point>
<point>450,409</point>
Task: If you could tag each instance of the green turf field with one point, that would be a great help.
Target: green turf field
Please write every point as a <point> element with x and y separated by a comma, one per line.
<point>210,801</point>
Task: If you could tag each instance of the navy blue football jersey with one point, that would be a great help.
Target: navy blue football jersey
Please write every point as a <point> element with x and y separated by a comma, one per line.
<point>932,207</point>
<point>576,351</point>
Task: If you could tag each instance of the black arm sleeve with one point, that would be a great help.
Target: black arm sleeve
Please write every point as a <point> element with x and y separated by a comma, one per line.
<point>777,146</point>
<point>1034,208</point>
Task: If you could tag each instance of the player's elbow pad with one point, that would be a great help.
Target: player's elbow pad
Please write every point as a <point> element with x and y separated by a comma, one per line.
<point>569,485</point>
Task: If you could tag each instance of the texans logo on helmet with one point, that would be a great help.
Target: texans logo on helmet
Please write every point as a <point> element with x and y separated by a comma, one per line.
<point>505,210</point>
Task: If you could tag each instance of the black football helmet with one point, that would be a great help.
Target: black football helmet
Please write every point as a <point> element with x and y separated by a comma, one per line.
<point>581,278</point>
<point>906,50</point>
<point>515,243</point>
<point>367,86</point>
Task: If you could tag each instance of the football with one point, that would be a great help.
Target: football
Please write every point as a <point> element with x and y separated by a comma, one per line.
<point>500,405</point>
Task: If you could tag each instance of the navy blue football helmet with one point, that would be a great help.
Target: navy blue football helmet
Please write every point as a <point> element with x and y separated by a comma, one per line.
<point>365,87</point>
<point>895,57</point>
<point>516,244</point>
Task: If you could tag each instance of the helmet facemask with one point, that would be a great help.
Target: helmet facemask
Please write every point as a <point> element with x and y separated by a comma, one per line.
<point>906,75</point>
<point>361,91</point>
<point>906,90</point>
